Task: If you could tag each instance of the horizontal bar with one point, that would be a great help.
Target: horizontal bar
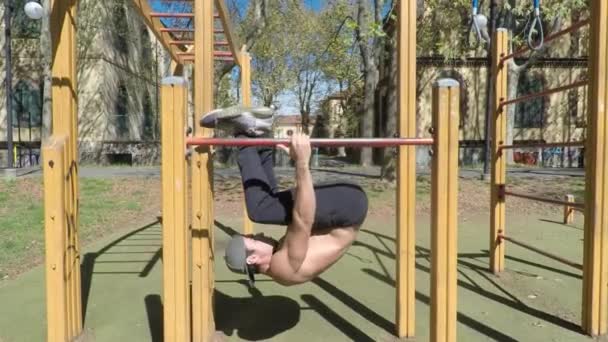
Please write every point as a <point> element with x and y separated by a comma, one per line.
<point>221,43</point>
<point>544,145</point>
<point>545,200</point>
<point>548,39</point>
<point>215,53</point>
<point>176,29</point>
<point>171,15</point>
<point>541,252</point>
<point>176,15</point>
<point>358,142</point>
<point>217,59</point>
<point>543,93</point>
<point>184,30</point>
<point>181,42</point>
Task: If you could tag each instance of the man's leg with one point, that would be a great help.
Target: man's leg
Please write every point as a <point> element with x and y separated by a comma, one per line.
<point>264,204</point>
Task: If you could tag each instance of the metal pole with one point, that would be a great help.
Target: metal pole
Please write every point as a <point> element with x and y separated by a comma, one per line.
<point>350,142</point>
<point>8,9</point>
<point>489,89</point>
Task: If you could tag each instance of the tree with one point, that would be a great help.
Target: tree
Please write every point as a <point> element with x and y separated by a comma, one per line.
<point>370,40</point>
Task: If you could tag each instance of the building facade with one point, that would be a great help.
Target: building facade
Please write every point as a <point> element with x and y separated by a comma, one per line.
<point>120,64</point>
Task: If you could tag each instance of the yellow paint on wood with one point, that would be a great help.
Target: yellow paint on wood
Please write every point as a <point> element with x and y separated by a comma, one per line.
<point>595,255</point>
<point>55,228</point>
<point>499,136</point>
<point>202,178</point>
<point>176,263</point>
<point>246,95</point>
<point>444,210</point>
<point>65,122</point>
<point>406,172</point>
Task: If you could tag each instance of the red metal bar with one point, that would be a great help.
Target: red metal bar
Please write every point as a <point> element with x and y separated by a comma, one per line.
<point>218,59</point>
<point>549,38</point>
<point>184,30</point>
<point>545,200</point>
<point>544,145</point>
<point>222,53</point>
<point>543,93</point>
<point>541,252</point>
<point>215,53</point>
<point>171,15</point>
<point>221,43</point>
<point>359,142</point>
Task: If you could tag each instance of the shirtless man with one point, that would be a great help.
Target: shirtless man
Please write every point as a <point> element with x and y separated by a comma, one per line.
<point>322,220</point>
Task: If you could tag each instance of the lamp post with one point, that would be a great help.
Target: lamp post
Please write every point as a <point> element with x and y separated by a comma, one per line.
<point>8,9</point>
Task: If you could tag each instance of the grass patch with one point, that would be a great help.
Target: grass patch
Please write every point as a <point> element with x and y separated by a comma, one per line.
<point>105,205</point>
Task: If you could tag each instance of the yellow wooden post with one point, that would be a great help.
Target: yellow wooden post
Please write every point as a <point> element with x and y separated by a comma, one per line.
<point>444,210</point>
<point>65,122</point>
<point>176,263</point>
<point>55,227</point>
<point>406,172</point>
<point>499,164</point>
<point>595,255</point>
<point>202,178</point>
<point>569,210</point>
<point>246,95</point>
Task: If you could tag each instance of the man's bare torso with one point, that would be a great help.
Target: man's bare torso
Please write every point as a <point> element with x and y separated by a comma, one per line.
<point>325,247</point>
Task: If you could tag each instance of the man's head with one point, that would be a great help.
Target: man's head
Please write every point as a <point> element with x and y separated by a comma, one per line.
<point>249,254</point>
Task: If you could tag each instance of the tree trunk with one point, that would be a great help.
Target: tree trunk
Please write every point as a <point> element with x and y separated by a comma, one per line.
<point>45,53</point>
<point>389,165</point>
<point>367,122</point>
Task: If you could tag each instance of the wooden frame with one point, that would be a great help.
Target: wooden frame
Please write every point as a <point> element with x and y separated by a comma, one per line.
<point>595,255</point>
<point>176,262</point>
<point>202,178</point>
<point>444,210</point>
<point>499,164</point>
<point>406,171</point>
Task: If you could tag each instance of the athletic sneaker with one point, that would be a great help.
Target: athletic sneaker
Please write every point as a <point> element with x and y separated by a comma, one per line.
<point>251,121</point>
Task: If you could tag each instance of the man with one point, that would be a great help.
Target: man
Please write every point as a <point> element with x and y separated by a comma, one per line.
<point>322,220</point>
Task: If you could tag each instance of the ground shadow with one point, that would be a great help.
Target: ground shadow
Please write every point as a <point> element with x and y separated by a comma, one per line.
<point>472,323</point>
<point>347,173</point>
<point>255,318</point>
<point>87,266</point>
<point>578,173</point>
<point>512,300</point>
<point>347,328</point>
<point>154,309</point>
<point>561,223</point>
<point>355,305</point>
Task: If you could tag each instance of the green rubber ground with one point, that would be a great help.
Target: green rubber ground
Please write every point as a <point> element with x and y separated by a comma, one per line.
<point>536,299</point>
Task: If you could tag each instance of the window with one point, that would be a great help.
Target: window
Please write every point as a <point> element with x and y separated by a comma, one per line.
<point>121,123</point>
<point>530,114</point>
<point>148,122</point>
<point>27,104</point>
<point>23,27</point>
<point>120,28</point>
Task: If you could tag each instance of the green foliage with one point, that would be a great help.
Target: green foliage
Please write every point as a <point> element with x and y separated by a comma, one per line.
<point>270,53</point>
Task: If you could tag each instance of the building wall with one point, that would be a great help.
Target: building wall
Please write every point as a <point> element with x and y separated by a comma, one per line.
<point>120,67</point>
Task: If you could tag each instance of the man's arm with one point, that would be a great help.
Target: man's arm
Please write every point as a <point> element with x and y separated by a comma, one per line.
<point>298,233</point>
